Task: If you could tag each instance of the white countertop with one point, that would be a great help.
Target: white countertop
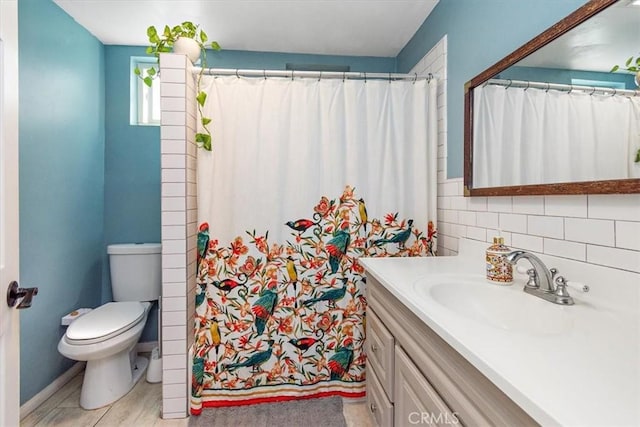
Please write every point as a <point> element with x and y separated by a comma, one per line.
<point>586,374</point>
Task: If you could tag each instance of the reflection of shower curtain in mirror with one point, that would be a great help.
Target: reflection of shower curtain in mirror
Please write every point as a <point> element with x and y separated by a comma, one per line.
<point>305,177</point>
<point>533,136</point>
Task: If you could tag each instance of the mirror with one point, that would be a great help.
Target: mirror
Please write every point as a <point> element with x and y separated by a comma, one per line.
<point>550,118</point>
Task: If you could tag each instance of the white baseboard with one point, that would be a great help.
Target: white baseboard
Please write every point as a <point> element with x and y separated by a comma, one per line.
<point>50,390</point>
<point>146,347</point>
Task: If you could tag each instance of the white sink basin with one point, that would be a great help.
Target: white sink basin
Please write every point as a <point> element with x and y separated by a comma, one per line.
<point>504,307</point>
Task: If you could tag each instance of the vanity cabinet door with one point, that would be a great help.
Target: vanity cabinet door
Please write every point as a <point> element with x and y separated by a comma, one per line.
<point>417,403</point>
<point>380,409</point>
<point>380,351</point>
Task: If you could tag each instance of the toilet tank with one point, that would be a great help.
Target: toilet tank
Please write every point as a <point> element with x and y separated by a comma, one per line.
<point>136,271</point>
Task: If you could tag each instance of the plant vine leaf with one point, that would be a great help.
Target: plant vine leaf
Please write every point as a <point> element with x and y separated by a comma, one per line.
<point>201,98</point>
<point>204,140</point>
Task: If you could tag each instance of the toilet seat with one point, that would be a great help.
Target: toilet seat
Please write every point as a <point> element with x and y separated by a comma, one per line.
<point>105,322</point>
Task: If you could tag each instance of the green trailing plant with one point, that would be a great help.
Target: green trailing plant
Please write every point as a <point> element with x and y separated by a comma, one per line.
<point>163,43</point>
<point>632,65</point>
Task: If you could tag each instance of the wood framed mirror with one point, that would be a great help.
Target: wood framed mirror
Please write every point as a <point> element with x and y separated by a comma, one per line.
<point>519,174</point>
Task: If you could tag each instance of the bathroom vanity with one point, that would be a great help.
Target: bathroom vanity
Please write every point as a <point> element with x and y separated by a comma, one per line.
<point>445,347</point>
<point>403,392</point>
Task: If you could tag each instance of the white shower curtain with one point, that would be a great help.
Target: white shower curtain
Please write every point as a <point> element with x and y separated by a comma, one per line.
<point>281,144</point>
<point>306,176</point>
<point>534,136</point>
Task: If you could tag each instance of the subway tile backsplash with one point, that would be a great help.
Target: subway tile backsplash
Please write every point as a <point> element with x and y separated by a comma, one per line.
<point>628,235</point>
<point>565,248</point>
<point>573,206</point>
<point>615,206</point>
<point>613,257</point>
<point>513,222</point>
<point>528,242</point>
<point>528,205</point>
<point>547,226</point>
<point>598,229</point>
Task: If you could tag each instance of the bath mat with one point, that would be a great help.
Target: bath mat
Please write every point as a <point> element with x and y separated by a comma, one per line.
<point>321,412</point>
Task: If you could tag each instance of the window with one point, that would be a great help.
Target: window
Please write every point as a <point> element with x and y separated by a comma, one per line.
<point>145,100</point>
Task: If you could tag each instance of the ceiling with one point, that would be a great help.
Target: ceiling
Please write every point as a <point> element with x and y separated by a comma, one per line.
<point>332,27</point>
<point>607,39</point>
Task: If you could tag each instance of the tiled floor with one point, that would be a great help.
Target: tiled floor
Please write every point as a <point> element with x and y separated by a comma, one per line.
<point>139,408</point>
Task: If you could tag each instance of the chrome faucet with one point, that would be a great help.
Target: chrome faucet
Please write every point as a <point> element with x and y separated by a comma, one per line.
<point>541,279</point>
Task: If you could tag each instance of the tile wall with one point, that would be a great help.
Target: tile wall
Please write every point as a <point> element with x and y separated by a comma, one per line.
<point>179,228</point>
<point>597,229</point>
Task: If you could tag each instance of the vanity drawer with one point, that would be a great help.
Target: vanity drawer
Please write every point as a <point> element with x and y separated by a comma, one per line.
<point>416,401</point>
<point>379,407</point>
<point>380,352</point>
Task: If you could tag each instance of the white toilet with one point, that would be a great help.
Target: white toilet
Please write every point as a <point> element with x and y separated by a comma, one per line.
<point>107,336</point>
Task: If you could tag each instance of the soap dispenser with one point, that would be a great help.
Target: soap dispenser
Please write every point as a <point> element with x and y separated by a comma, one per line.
<point>499,270</point>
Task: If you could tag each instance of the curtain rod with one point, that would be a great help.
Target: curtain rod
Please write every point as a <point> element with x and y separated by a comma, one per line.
<point>312,74</point>
<point>562,87</point>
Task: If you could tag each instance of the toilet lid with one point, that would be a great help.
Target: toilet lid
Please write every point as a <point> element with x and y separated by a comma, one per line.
<point>105,321</point>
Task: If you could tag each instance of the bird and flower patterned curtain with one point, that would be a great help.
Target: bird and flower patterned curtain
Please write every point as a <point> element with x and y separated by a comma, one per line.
<point>280,297</point>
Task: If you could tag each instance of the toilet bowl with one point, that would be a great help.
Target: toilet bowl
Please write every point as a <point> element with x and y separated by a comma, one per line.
<point>106,337</point>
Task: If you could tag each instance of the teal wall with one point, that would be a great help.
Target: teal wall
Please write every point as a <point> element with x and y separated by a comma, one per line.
<point>278,61</point>
<point>479,33</point>
<point>61,181</point>
<point>131,171</point>
<point>556,75</point>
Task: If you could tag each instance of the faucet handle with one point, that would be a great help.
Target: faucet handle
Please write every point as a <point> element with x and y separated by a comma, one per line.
<point>577,286</point>
<point>561,286</point>
<point>533,279</point>
<point>561,295</point>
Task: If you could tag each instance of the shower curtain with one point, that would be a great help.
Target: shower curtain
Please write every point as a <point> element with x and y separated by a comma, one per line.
<point>560,136</point>
<point>305,177</point>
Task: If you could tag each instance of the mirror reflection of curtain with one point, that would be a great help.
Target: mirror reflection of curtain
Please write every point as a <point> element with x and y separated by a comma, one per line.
<point>534,136</point>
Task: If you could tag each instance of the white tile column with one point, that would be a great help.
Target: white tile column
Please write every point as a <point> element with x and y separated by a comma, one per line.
<point>179,216</point>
